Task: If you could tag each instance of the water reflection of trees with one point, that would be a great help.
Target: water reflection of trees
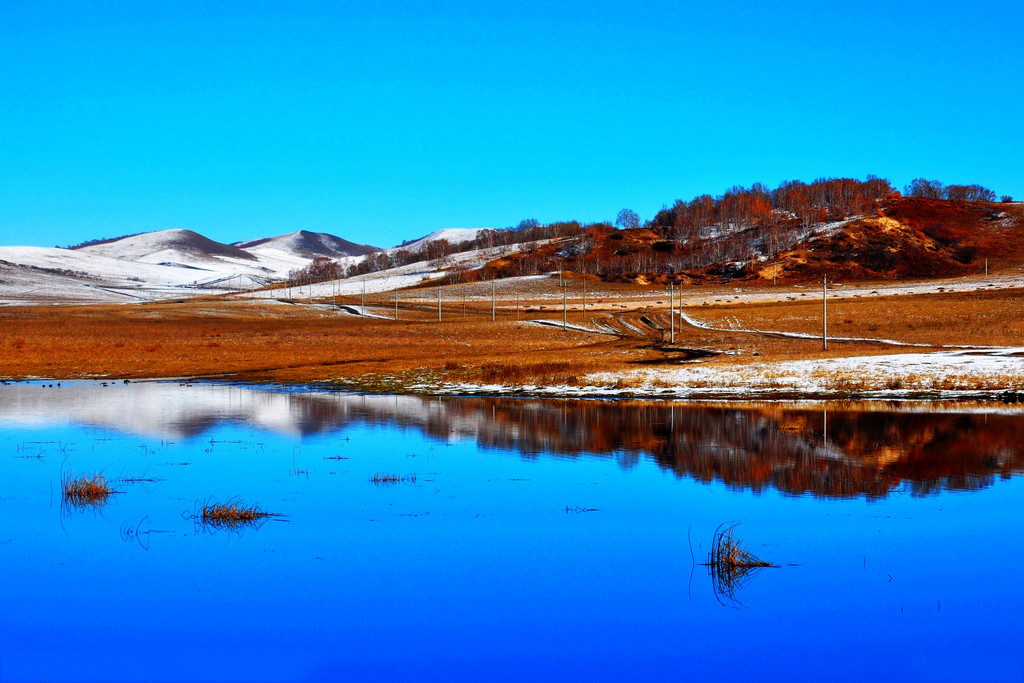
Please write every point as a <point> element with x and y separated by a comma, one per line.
<point>839,452</point>
<point>850,449</point>
<point>842,451</point>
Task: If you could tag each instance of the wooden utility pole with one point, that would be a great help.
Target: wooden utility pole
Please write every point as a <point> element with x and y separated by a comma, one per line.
<point>396,303</point>
<point>824,313</point>
<point>583,278</point>
<point>565,309</point>
<point>439,303</point>
<point>492,299</point>
<point>362,299</point>
<point>671,314</point>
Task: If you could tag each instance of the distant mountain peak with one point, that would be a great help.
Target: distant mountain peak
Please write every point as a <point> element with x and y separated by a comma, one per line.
<point>187,241</point>
<point>309,244</point>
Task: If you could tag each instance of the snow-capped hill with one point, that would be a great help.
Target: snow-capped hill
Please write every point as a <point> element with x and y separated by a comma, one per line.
<point>452,235</point>
<point>307,245</point>
<point>166,242</point>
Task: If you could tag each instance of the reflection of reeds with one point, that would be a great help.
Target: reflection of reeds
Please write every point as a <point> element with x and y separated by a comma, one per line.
<point>731,564</point>
<point>233,514</point>
<point>85,490</point>
<point>384,479</point>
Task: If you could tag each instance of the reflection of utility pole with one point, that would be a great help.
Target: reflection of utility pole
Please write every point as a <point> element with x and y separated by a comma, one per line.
<point>824,312</point>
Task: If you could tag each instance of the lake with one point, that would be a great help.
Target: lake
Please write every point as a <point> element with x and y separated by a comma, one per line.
<point>505,539</point>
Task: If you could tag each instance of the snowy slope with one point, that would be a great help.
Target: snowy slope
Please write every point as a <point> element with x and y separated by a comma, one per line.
<point>453,235</point>
<point>306,245</point>
<point>183,241</point>
<point>50,275</point>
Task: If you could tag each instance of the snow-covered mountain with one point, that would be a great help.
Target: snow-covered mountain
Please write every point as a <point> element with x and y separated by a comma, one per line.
<point>182,263</point>
<point>157,265</point>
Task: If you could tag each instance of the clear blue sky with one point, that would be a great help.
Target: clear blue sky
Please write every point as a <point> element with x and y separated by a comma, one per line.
<point>383,121</point>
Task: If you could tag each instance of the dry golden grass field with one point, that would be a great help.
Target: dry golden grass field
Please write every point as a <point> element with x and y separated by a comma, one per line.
<point>282,341</point>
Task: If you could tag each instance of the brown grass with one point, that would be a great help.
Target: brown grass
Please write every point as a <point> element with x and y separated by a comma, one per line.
<point>985,317</point>
<point>234,513</point>
<point>253,341</point>
<point>85,490</point>
<point>731,564</point>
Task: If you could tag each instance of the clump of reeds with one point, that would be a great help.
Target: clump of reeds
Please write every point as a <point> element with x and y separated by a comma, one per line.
<point>85,490</point>
<point>234,513</point>
<point>385,479</point>
<point>731,564</point>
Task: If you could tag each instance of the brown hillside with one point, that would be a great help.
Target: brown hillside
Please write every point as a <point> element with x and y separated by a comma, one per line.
<point>897,238</point>
<point>911,238</point>
<point>878,249</point>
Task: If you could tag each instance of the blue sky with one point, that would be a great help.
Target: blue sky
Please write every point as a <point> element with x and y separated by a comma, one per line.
<point>383,121</point>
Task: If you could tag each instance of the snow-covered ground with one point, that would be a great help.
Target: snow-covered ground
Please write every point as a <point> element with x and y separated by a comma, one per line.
<point>50,275</point>
<point>451,235</point>
<point>180,263</point>
<point>977,373</point>
<point>400,277</point>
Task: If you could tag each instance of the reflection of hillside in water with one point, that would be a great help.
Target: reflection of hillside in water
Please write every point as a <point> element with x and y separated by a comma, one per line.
<point>832,453</point>
<point>848,450</point>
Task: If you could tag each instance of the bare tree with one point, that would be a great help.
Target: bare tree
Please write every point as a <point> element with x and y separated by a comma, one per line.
<point>627,218</point>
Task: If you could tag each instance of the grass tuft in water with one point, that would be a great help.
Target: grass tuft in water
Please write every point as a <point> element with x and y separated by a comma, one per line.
<point>385,479</point>
<point>731,564</point>
<point>233,513</point>
<point>85,490</point>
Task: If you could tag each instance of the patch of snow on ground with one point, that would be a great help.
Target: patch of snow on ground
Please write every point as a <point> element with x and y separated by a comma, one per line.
<point>999,369</point>
<point>734,326</point>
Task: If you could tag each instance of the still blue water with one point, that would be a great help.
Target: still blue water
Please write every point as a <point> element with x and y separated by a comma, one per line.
<point>554,540</point>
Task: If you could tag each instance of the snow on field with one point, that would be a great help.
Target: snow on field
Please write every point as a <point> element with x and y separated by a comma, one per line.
<point>452,235</point>
<point>43,274</point>
<point>601,329</point>
<point>948,372</point>
<point>795,335</point>
<point>401,277</point>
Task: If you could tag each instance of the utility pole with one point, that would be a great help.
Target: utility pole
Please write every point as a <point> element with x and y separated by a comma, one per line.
<point>439,303</point>
<point>492,299</point>
<point>396,303</point>
<point>671,314</point>
<point>362,300</point>
<point>309,280</point>
<point>583,277</point>
<point>517,305</point>
<point>824,312</point>
<point>565,290</point>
